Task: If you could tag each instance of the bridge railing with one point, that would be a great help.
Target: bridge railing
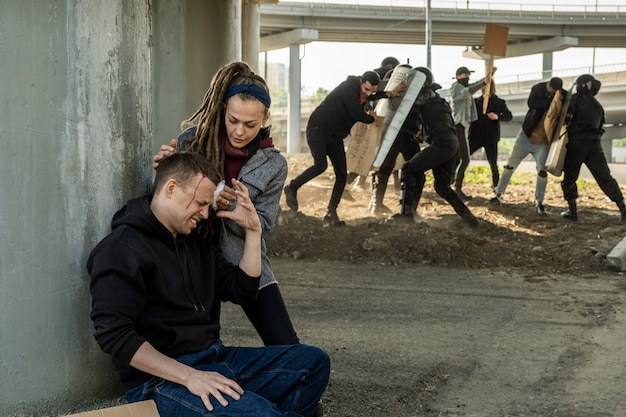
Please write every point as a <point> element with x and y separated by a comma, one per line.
<point>613,74</point>
<point>598,7</point>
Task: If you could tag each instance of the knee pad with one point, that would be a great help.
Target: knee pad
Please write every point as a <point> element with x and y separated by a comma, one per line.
<point>542,173</point>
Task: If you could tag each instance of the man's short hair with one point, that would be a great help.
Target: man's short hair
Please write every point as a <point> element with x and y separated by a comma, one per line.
<point>556,83</point>
<point>371,76</point>
<point>183,166</point>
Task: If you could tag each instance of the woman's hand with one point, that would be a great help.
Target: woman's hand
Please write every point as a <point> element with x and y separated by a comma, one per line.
<point>164,152</point>
<point>226,198</point>
<point>244,214</point>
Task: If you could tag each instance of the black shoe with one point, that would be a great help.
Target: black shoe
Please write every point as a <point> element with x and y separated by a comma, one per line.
<point>569,215</point>
<point>331,218</point>
<point>463,196</point>
<point>496,200</point>
<point>291,196</point>
<point>402,218</point>
<point>541,209</point>
<point>470,220</point>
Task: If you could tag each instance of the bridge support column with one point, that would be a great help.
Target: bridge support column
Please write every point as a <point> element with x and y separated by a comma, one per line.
<point>547,65</point>
<point>293,101</point>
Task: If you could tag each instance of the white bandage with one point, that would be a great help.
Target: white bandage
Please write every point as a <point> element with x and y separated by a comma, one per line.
<point>216,195</point>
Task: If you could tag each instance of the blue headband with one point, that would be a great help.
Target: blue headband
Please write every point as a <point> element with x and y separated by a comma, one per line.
<point>252,89</point>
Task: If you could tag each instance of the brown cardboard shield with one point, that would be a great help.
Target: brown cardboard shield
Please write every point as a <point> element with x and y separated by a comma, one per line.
<point>494,44</point>
<point>496,38</point>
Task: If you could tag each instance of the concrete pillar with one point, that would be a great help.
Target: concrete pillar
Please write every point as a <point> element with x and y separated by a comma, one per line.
<point>75,126</point>
<point>547,65</point>
<point>90,89</point>
<point>191,40</point>
<point>231,11</point>
<point>294,131</point>
<point>251,27</point>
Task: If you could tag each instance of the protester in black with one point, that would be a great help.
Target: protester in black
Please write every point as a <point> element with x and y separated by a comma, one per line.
<point>584,130</point>
<point>485,131</point>
<point>437,126</point>
<point>328,125</point>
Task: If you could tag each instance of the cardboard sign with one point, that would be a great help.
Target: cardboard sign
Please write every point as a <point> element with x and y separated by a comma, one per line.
<point>496,38</point>
<point>140,409</point>
<point>556,154</point>
<point>363,146</point>
<point>552,116</point>
<point>494,44</point>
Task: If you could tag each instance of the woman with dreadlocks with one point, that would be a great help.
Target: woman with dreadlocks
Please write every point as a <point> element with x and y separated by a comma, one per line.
<point>229,130</point>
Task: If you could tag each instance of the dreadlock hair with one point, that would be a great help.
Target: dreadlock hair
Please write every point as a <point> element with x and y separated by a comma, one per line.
<point>211,129</point>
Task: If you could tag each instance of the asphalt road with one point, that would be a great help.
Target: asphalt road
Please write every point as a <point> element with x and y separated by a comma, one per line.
<point>427,341</point>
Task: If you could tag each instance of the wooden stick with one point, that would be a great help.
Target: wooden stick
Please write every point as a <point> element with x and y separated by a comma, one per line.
<point>487,90</point>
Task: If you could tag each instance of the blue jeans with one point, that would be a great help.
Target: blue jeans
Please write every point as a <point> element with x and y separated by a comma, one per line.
<point>522,147</point>
<point>277,381</point>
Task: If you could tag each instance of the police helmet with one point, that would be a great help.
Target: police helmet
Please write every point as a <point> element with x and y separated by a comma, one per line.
<point>587,83</point>
<point>429,76</point>
<point>389,62</point>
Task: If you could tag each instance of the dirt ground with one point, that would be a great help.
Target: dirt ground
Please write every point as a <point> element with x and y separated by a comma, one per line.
<point>510,235</point>
<point>520,317</point>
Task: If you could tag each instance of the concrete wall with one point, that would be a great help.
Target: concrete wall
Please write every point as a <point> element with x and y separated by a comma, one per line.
<point>88,91</point>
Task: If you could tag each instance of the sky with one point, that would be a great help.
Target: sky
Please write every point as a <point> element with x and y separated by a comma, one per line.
<point>326,64</point>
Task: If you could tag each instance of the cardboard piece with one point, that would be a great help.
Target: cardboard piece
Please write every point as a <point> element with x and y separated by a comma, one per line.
<point>363,146</point>
<point>558,147</point>
<point>496,38</point>
<point>140,409</point>
<point>538,135</point>
<point>552,117</point>
<point>494,44</point>
<point>395,110</point>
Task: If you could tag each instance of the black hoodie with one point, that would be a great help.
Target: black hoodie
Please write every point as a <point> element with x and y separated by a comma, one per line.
<point>341,109</point>
<point>147,285</point>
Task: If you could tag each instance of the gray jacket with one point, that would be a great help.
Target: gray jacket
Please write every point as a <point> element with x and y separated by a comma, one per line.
<point>463,107</point>
<point>264,176</point>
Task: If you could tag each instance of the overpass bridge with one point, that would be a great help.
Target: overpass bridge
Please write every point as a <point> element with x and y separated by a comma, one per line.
<point>453,22</point>
<point>533,28</point>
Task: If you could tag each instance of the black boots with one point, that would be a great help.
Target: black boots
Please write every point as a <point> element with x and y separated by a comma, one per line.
<point>331,218</point>
<point>407,192</point>
<point>571,213</point>
<point>407,204</point>
<point>622,210</point>
<point>291,195</point>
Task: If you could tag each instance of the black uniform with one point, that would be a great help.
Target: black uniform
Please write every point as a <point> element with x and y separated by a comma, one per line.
<point>439,132</point>
<point>584,147</point>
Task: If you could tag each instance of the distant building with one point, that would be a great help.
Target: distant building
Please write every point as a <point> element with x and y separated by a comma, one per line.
<point>277,78</point>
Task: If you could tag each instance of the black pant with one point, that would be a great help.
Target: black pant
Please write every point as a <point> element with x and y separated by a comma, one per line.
<point>321,146</point>
<point>440,157</point>
<point>463,157</point>
<point>491,151</point>
<point>405,144</point>
<point>590,153</point>
<point>269,317</point>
